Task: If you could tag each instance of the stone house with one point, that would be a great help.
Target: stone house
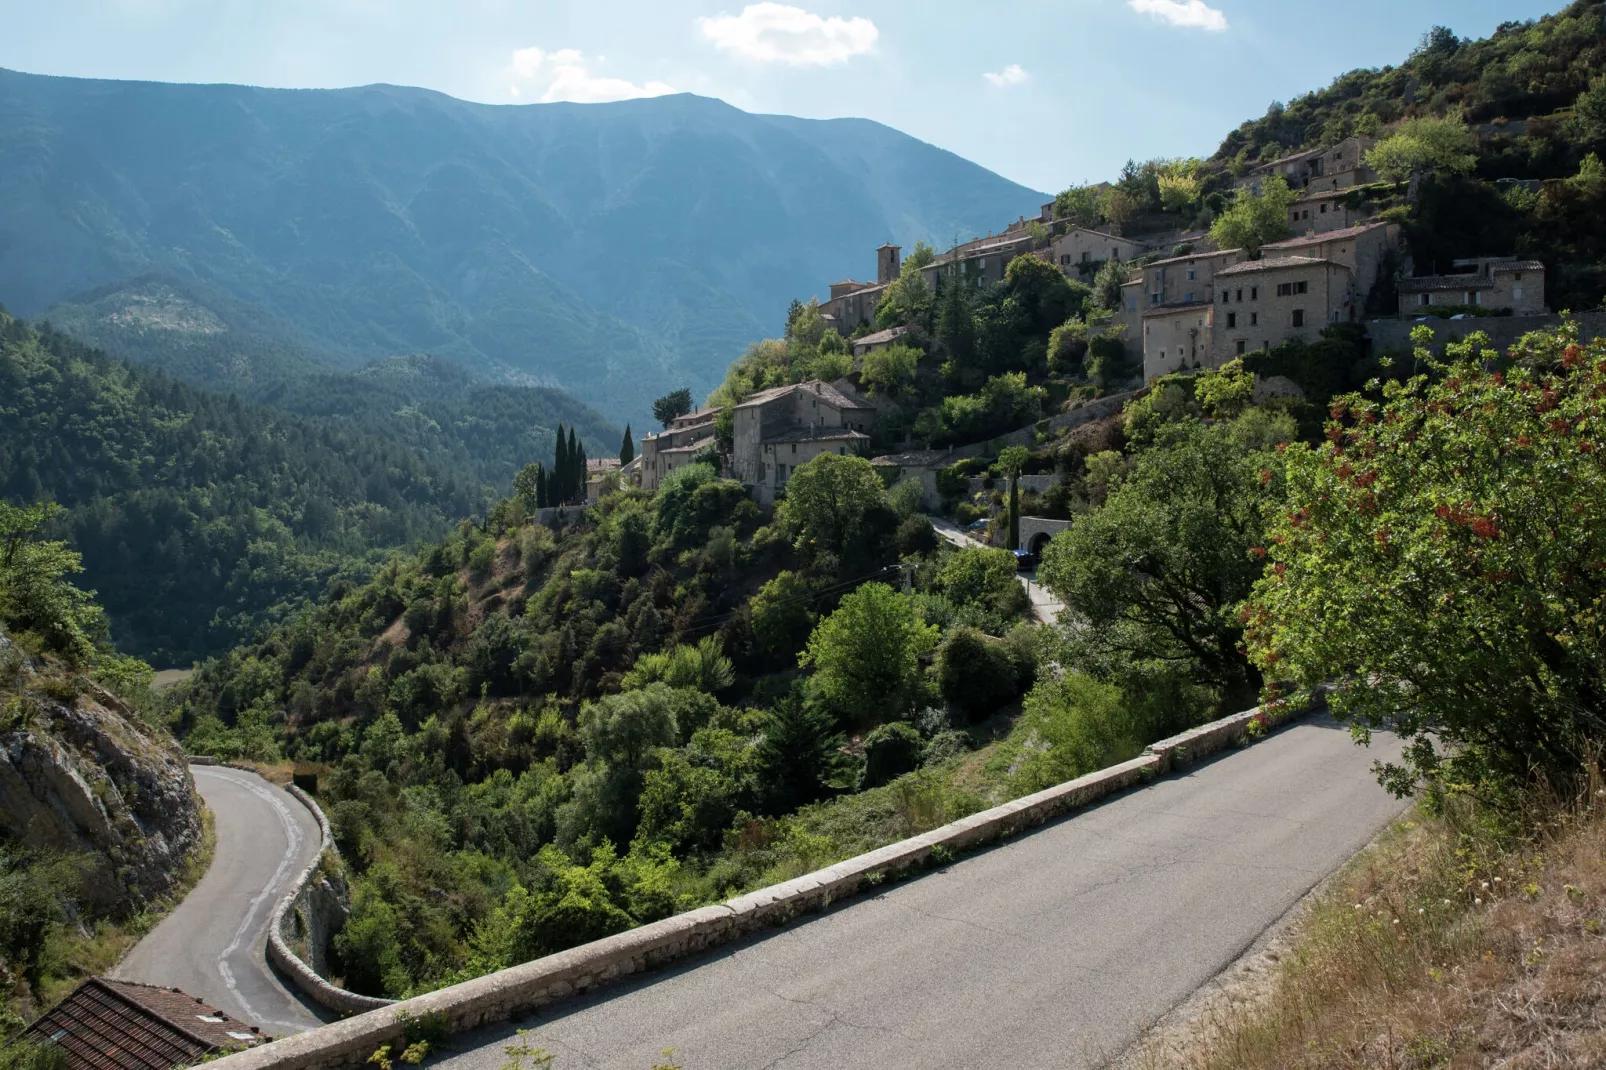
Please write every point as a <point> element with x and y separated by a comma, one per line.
<point>1369,250</point>
<point>1322,213</point>
<point>985,260</point>
<point>1263,303</point>
<point>597,472</point>
<point>1176,338</point>
<point>1340,166</point>
<point>1079,251</point>
<point>777,430</point>
<point>674,447</point>
<point>852,305</point>
<point>879,340</point>
<point>1492,283</point>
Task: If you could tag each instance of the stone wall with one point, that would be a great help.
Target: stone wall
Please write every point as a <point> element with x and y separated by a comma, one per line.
<point>1394,336</point>
<point>515,992</point>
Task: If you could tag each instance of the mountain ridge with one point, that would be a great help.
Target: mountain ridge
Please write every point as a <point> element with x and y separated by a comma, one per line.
<point>611,250</point>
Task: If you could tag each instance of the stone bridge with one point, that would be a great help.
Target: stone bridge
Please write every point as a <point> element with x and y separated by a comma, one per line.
<point>1035,531</point>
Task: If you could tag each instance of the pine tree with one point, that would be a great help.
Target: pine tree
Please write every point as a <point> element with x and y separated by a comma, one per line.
<point>798,755</point>
<point>627,448</point>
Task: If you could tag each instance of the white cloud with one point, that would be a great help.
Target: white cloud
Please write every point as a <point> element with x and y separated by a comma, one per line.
<point>779,33</point>
<point>1194,13</point>
<point>1014,74</point>
<point>566,75</point>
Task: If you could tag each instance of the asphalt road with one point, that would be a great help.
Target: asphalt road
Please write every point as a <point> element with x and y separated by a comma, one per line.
<point>1053,950</point>
<point>214,944</point>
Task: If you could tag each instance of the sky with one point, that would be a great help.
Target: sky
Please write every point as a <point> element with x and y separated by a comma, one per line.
<point>1046,92</point>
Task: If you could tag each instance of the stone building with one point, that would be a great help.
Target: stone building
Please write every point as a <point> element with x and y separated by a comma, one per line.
<point>598,470</point>
<point>777,430</point>
<point>1166,310</point>
<point>674,447</point>
<point>1490,283</point>
<point>1340,166</point>
<point>1263,303</point>
<point>879,340</point>
<point>1176,338</point>
<point>1321,213</point>
<point>1080,251</point>
<point>1369,250</point>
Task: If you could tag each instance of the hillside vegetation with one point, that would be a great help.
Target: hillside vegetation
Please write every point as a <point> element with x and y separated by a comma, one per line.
<point>201,517</point>
<point>615,251</point>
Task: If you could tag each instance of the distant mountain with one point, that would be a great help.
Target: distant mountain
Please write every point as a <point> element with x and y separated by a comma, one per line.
<point>612,250</point>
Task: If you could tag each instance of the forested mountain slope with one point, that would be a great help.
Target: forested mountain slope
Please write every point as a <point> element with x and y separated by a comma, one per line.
<point>198,514</point>
<point>612,250</point>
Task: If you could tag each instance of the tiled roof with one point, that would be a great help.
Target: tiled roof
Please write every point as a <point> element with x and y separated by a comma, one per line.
<point>881,336</point>
<point>118,1025</point>
<point>1332,235</point>
<point>1181,306</point>
<point>912,459</point>
<point>690,447</point>
<point>813,433</point>
<point>1445,282</point>
<point>1191,256</point>
<point>824,391</point>
<point>1275,263</point>
<point>1519,265</point>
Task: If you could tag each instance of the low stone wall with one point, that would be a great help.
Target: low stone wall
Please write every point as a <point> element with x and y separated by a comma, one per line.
<point>514,992</point>
<point>279,951</point>
<point>1394,336</point>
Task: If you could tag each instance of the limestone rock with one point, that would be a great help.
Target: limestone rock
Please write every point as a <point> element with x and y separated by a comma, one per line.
<point>84,775</point>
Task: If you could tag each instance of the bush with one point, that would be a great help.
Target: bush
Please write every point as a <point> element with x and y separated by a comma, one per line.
<point>976,676</point>
<point>917,538</point>
<point>889,752</point>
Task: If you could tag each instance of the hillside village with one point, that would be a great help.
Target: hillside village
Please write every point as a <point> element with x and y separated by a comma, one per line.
<point>1176,302</point>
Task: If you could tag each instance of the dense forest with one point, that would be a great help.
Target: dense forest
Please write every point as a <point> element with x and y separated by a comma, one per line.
<point>200,517</point>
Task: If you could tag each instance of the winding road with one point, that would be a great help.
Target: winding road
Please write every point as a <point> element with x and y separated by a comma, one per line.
<point>1045,607</point>
<point>213,944</point>
<point>1055,949</point>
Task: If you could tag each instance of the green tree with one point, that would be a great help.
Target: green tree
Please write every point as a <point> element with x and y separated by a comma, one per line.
<point>623,728</point>
<point>529,486</point>
<point>799,754</point>
<point>1081,206</point>
<point>1441,554</point>
<point>627,448</point>
<point>671,406</point>
<point>783,615</point>
<point>1255,219</point>
<point>908,301</point>
<point>35,595</point>
<point>976,675</point>
<point>1590,111</point>
<point>1421,146</point>
<point>1156,575</point>
<point>1013,461</point>
<point>866,656</point>
<point>890,750</point>
<point>831,501</point>
<point>890,370</point>
<point>956,328</point>
<point>1108,282</point>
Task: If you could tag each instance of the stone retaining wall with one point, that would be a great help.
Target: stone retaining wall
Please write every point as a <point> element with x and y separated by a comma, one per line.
<point>516,991</point>
<point>279,951</point>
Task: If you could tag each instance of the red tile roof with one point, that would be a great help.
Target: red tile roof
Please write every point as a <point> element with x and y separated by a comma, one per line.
<point>120,1025</point>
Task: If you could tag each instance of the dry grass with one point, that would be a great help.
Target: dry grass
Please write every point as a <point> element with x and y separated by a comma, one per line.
<point>1444,946</point>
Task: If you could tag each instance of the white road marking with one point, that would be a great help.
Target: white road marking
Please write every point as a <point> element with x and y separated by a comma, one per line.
<point>272,892</point>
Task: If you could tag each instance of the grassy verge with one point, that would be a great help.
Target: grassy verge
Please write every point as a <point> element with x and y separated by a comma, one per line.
<point>1451,943</point>
<point>73,953</point>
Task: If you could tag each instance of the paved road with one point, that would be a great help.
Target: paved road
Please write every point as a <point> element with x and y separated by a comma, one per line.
<point>214,943</point>
<point>1052,950</point>
<point>1045,607</point>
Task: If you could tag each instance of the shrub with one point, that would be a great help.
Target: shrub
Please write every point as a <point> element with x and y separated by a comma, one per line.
<point>889,752</point>
<point>976,676</point>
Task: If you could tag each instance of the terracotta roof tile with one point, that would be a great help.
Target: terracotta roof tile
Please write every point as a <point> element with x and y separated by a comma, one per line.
<point>119,1025</point>
<point>1275,263</point>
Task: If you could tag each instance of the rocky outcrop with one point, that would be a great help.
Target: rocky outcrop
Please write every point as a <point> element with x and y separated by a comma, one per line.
<point>80,774</point>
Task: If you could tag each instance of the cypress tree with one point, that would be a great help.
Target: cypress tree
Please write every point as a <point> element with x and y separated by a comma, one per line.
<point>627,448</point>
<point>560,469</point>
<point>577,468</point>
<point>541,499</point>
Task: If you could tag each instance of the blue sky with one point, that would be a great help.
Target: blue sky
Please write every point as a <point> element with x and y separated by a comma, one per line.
<point>1047,92</point>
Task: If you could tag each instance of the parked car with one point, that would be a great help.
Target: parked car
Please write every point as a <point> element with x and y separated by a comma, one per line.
<point>1025,562</point>
<point>978,525</point>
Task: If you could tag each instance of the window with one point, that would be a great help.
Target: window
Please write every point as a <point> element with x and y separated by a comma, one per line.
<point>1517,277</point>
<point>1232,320</point>
<point>1299,317</point>
<point>1516,293</point>
<point>1188,296</point>
<point>1192,275</point>
<point>1324,209</point>
<point>1254,293</point>
<point>1424,300</point>
<point>1240,296</point>
<point>1065,259</point>
<point>1154,298</point>
<point>1241,345</point>
<point>1472,298</point>
<point>1131,304</point>
<point>1254,319</point>
<point>794,449</point>
<point>1087,257</point>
